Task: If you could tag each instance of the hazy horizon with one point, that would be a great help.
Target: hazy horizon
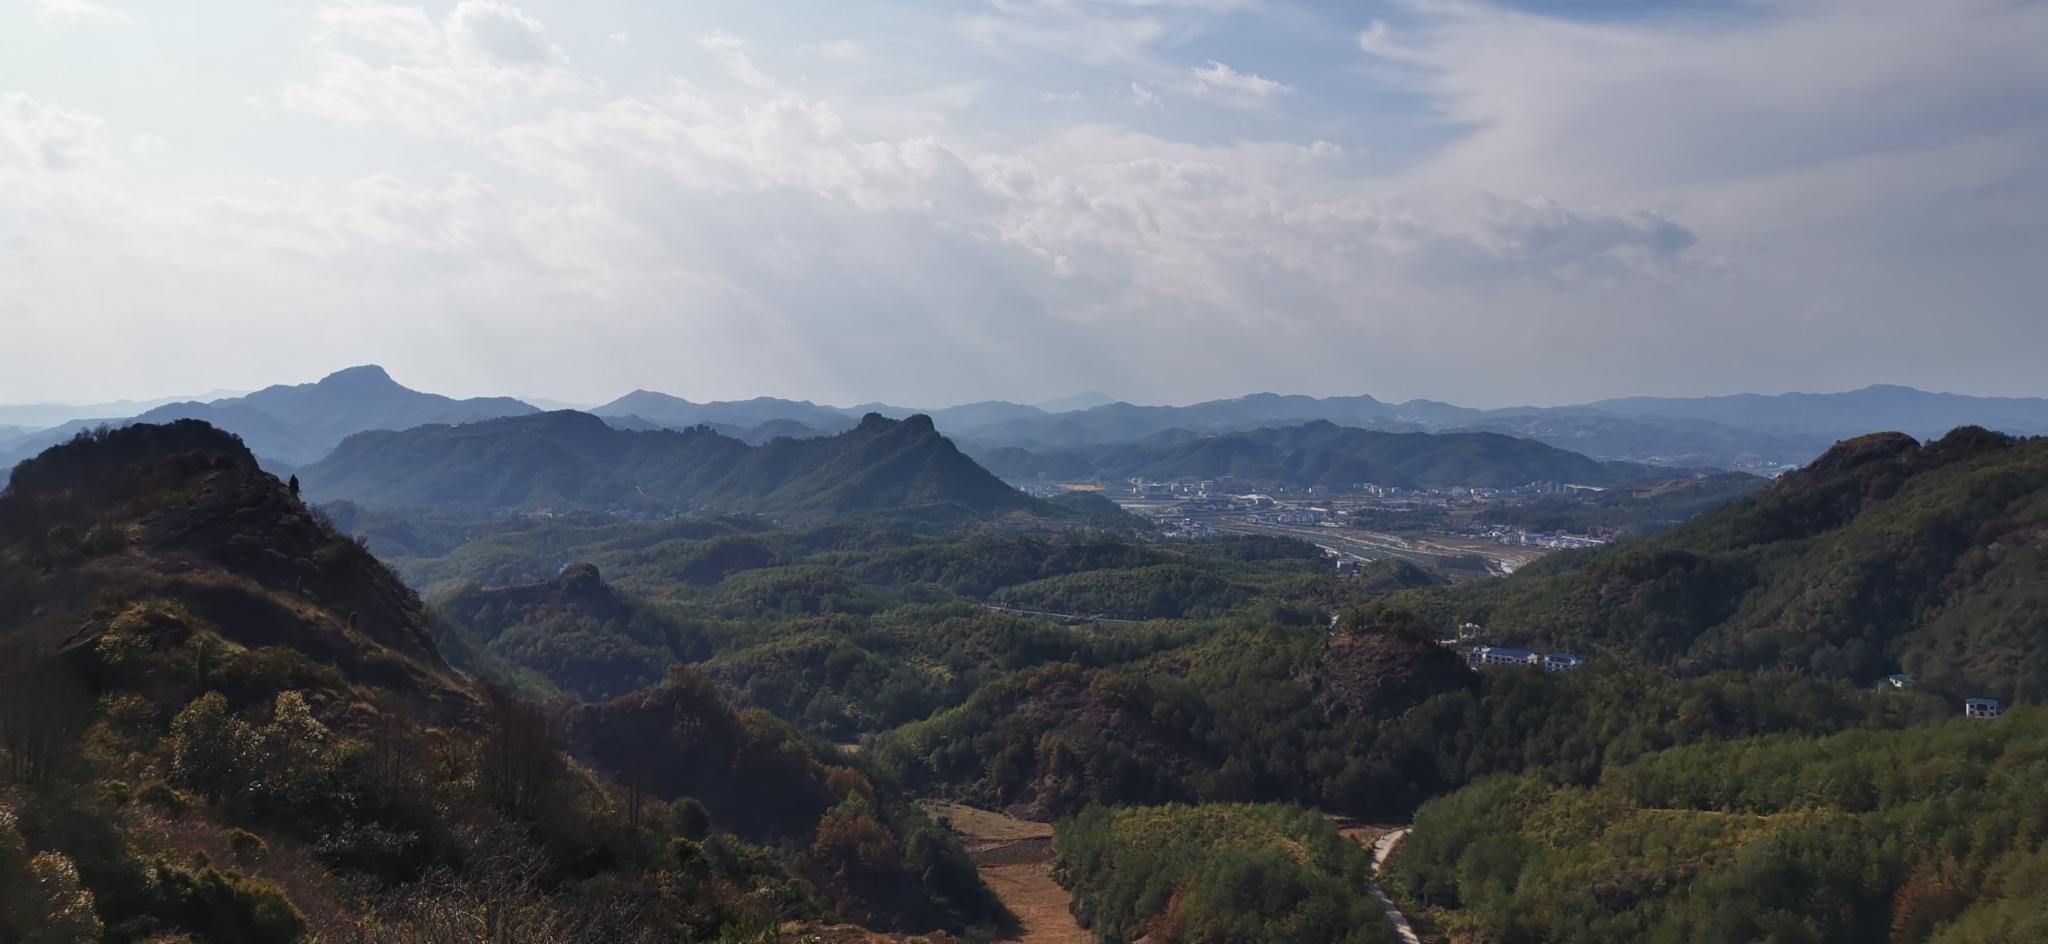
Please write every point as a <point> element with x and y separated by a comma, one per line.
<point>552,403</point>
<point>1170,201</point>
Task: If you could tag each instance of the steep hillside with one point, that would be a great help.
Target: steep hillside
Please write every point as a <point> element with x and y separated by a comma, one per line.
<point>575,461</point>
<point>1885,555</point>
<point>182,513</point>
<point>1634,509</point>
<point>221,721</point>
<point>1323,453</point>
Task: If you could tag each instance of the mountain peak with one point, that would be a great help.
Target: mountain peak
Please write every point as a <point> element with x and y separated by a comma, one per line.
<point>364,375</point>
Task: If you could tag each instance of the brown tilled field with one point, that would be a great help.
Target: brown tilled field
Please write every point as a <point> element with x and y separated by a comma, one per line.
<point>1014,857</point>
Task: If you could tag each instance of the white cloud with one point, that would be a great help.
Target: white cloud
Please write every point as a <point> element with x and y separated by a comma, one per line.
<point>1593,208</point>
<point>620,38</point>
<point>1238,89</point>
<point>731,53</point>
<point>396,64</point>
<point>502,33</point>
<point>80,12</point>
<point>36,137</point>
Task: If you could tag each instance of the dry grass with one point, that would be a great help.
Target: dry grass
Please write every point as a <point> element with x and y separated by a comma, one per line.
<point>1014,857</point>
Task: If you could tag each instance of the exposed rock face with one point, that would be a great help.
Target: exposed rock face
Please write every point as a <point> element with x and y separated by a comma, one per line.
<point>1379,673</point>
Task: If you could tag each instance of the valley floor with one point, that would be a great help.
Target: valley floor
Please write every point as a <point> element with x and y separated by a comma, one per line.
<point>1014,857</point>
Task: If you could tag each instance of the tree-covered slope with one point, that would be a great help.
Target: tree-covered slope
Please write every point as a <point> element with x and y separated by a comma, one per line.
<point>1884,555</point>
<point>222,721</point>
<point>571,634</point>
<point>1323,453</point>
<point>1217,874</point>
<point>574,461</point>
<point>1931,834</point>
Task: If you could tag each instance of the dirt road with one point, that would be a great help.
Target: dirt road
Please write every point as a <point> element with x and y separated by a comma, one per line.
<point>1381,849</point>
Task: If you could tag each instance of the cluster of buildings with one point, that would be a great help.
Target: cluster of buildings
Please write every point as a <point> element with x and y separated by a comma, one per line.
<point>1483,656</point>
<point>1983,709</point>
<point>1480,655</point>
<point>1551,539</point>
<point>1292,516</point>
<point>1170,490</point>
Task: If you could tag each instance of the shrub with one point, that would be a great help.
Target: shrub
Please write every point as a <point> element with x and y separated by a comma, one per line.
<point>690,819</point>
<point>248,847</point>
<point>163,796</point>
<point>210,748</point>
<point>226,907</point>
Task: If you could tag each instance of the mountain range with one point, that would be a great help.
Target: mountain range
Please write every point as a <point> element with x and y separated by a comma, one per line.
<point>292,425</point>
<point>570,461</point>
<point>1321,453</point>
<point>1745,432</point>
<point>289,426</point>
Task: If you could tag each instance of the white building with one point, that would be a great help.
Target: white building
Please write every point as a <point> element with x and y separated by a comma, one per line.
<point>1985,708</point>
<point>1501,655</point>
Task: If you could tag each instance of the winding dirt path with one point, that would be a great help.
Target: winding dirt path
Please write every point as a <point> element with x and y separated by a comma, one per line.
<point>1014,858</point>
<point>1381,849</point>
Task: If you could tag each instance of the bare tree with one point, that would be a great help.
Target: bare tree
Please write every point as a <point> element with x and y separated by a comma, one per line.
<point>521,764</point>
<point>43,707</point>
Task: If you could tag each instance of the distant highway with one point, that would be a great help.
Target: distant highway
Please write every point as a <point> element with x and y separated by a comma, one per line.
<point>1062,617</point>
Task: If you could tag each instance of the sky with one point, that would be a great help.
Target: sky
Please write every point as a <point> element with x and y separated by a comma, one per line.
<point>927,203</point>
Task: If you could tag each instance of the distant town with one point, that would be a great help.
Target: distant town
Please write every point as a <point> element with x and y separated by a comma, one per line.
<point>1437,528</point>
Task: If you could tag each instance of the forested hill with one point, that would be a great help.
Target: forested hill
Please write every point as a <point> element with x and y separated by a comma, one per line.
<point>226,722</point>
<point>1323,453</point>
<point>1884,555</point>
<point>567,461</point>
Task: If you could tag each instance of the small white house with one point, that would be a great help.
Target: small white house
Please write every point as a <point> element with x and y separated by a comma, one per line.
<point>1985,708</point>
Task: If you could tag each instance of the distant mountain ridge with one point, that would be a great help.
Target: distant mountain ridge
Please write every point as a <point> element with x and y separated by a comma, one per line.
<point>1914,412</point>
<point>1326,454</point>
<point>33,416</point>
<point>575,461</point>
<point>294,425</point>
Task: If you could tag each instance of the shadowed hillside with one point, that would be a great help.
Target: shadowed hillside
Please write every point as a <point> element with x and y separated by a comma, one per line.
<point>574,461</point>
<point>221,721</point>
